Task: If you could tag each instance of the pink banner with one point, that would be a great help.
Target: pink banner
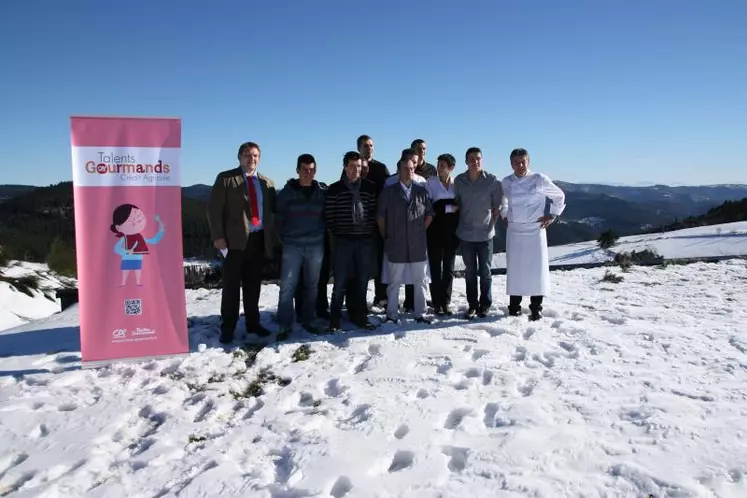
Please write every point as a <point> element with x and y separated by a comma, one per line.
<point>128,233</point>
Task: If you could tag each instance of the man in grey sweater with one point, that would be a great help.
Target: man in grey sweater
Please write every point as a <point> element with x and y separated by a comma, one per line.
<point>404,213</point>
<point>478,195</point>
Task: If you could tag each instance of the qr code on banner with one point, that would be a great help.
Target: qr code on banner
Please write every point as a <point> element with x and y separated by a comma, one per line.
<point>133,307</point>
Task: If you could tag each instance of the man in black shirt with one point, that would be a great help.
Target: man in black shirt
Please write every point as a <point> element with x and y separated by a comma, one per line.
<point>350,217</point>
<point>423,168</point>
<point>377,173</point>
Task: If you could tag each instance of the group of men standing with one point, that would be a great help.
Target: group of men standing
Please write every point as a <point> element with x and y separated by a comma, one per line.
<point>401,229</point>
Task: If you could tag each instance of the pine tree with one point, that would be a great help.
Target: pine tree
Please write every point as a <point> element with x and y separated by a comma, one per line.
<point>607,239</point>
<point>61,258</point>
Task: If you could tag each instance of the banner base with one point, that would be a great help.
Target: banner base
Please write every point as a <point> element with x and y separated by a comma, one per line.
<point>84,365</point>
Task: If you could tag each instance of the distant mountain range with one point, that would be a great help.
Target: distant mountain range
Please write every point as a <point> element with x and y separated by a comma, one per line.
<point>35,215</point>
<point>8,191</point>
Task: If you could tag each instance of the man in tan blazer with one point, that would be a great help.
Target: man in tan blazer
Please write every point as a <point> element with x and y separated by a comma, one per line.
<point>241,215</point>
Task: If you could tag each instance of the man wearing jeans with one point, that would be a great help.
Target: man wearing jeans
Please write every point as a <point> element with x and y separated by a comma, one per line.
<point>300,226</point>
<point>350,217</point>
<point>478,195</point>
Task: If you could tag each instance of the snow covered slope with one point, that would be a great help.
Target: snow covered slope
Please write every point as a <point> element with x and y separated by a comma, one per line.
<point>16,307</point>
<point>622,390</point>
<point>728,239</point>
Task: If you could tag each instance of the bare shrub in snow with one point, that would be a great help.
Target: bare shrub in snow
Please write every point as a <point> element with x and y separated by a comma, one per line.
<point>612,277</point>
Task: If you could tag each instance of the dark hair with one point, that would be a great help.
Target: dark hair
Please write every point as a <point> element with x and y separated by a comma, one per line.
<point>361,139</point>
<point>406,154</point>
<point>416,142</point>
<point>248,145</point>
<point>350,156</point>
<point>518,153</point>
<point>119,216</point>
<point>448,159</point>
<point>472,150</point>
<point>305,159</point>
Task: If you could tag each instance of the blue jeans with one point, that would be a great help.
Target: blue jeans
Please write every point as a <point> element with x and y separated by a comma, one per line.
<point>477,257</point>
<point>353,262</point>
<point>294,258</point>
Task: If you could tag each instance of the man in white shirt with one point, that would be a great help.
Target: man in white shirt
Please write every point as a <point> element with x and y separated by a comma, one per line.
<point>523,206</point>
<point>442,238</point>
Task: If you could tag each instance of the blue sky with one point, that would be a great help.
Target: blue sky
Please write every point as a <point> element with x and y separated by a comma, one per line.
<point>613,92</point>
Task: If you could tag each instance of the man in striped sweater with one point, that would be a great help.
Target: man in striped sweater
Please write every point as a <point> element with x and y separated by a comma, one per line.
<point>350,217</point>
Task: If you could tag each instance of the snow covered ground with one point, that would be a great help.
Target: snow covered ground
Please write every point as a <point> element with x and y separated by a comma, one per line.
<point>728,239</point>
<point>623,390</point>
<point>17,308</point>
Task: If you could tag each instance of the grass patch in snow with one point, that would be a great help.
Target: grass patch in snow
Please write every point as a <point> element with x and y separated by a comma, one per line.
<point>302,353</point>
<point>612,277</point>
<point>256,388</point>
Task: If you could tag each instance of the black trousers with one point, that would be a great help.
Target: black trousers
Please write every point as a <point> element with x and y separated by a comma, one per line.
<point>242,272</point>
<point>441,256</point>
<point>379,288</point>
<point>535,304</point>
<point>322,299</point>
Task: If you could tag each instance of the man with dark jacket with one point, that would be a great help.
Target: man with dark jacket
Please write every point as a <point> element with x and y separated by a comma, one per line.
<point>300,225</point>
<point>377,173</point>
<point>350,217</point>
<point>241,217</point>
<point>423,168</point>
<point>404,214</point>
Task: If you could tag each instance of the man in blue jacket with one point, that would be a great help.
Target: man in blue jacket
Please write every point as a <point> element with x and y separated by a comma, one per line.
<point>300,225</point>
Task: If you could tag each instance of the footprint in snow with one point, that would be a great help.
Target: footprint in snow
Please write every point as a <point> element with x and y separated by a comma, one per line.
<point>207,407</point>
<point>374,349</point>
<point>401,431</point>
<point>529,333</point>
<point>472,373</point>
<point>334,388</point>
<point>616,320</point>
<point>67,407</point>
<point>494,331</point>
<point>306,400</point>
<point>479,353</point>
<point>402,459</point>
<point>444,368</point>
<point>341,487</point>
<point>487,378</point>
<point>258,405</point>
<point>456,417</point>
<point>526,388</point>
<point>569,348</point>
<point>360,415</point>
<point>40,431</point>
<point>547,359</point>
<point>457,457</point>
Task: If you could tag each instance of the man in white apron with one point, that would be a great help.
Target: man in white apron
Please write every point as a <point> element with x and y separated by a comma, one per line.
<point>523,207</point>
<point>409,282</point>
<point>404,213</point>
